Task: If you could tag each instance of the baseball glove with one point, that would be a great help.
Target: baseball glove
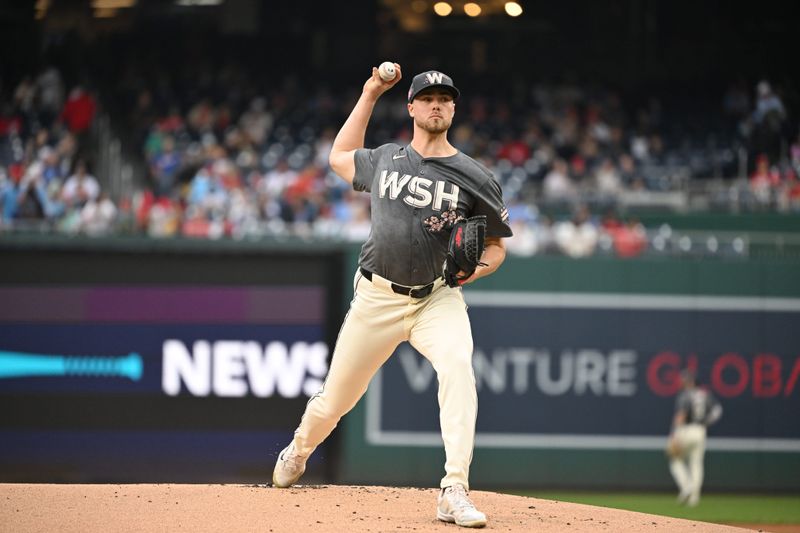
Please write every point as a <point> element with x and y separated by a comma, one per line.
<point>673,449</point>
<point>465,250</point>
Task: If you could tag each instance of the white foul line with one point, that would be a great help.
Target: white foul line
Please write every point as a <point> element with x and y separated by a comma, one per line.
<point>376,436</point>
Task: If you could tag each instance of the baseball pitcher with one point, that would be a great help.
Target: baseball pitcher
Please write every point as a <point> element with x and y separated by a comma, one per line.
<point>438,220</point>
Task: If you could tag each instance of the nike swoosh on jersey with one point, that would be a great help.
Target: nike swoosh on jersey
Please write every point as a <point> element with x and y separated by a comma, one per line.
<point>398,156</point>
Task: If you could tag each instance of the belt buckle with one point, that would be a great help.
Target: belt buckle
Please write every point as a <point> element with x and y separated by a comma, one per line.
<point>421,293</point>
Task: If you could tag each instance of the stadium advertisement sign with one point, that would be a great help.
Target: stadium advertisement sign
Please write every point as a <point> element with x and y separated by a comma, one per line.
<point>225,342</point>
<point>601,372</point>
<point>147,383</point>
<point>222,361</point>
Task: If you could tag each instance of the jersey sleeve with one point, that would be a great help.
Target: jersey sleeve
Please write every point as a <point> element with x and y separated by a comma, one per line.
<point>489,202</point>
<point>367,160</point>
<point>365,169</point>
<point>714,410</point>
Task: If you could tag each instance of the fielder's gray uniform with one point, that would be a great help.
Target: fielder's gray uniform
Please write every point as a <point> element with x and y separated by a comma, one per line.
<point>700,409</point>
<point>400,294</point>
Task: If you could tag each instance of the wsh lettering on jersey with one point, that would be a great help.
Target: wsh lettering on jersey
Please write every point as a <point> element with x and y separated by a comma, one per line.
<point>421,191</point>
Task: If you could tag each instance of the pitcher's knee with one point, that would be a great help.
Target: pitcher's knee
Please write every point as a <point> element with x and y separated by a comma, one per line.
<point>463,358</point>
<point>455,365</point>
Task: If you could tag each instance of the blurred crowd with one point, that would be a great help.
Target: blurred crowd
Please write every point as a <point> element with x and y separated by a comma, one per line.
<point>223,153</point>
<point>45,153</point>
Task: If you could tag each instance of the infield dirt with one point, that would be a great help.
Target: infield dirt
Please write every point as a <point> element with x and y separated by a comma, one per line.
<point>317,508</point>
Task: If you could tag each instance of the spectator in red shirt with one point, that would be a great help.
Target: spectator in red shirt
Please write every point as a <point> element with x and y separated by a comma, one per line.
<point>78,112</point>
<point>630,240</point>
<point>514,150</point>
<point>764,180</point>
<point>10,122</point>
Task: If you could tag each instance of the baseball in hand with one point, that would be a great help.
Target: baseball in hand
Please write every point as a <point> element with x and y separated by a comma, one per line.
<point>387,71</point>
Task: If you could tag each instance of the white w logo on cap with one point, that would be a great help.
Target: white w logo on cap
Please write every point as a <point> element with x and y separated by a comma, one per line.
<point>434,77</point>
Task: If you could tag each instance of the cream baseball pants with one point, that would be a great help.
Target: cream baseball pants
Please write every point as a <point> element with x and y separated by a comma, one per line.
<point>687,469</point>
<point>379,319</point>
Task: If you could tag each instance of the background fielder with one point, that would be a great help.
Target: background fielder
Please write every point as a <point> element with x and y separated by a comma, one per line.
<point>418,192</point>
<point>695,409</point>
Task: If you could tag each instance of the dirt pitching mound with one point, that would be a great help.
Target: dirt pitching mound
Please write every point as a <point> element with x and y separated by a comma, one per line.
<point>239,508</point>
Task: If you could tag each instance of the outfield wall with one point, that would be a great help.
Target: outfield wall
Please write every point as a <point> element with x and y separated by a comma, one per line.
<point>193,360</point>
<point>576,364</point>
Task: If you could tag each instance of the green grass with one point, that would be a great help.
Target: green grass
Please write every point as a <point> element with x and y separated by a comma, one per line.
<point>727,508</point>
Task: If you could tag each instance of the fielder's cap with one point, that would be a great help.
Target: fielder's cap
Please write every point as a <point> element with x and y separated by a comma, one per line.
<point>432,78</point>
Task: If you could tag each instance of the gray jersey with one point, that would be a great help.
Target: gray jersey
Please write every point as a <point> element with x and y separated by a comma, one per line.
<point>415,202</point>
<point>699,406</point>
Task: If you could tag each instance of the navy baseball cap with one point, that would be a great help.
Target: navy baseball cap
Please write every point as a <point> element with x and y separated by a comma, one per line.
<point>432,78</point>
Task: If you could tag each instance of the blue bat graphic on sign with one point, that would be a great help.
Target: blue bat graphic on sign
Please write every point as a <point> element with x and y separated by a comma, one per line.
<point>20,365</point>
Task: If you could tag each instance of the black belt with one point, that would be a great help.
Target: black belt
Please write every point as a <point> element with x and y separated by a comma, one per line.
<point>422,292</point>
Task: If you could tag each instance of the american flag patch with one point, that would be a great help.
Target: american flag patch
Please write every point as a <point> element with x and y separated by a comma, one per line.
<point>504,214</point>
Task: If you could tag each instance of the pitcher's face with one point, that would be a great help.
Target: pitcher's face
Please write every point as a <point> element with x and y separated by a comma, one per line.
<point>433,110</point>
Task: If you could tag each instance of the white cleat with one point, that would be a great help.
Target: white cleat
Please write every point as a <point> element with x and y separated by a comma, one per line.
<point>693,500</point>
<point>455,506</point>
<point>288,468</point>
